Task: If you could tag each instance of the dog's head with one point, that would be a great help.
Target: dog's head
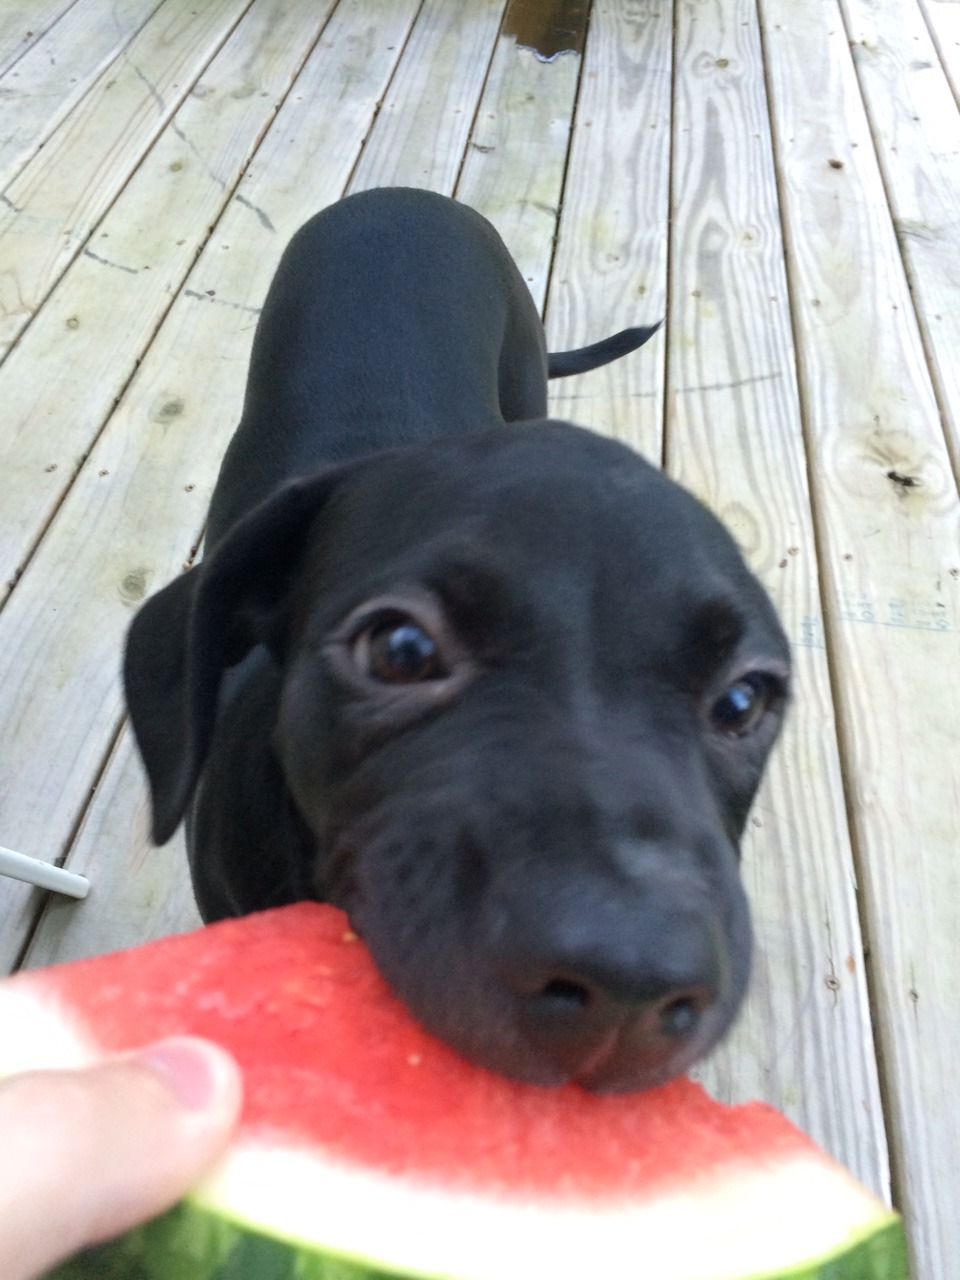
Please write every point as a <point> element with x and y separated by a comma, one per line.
<point>528,688</point>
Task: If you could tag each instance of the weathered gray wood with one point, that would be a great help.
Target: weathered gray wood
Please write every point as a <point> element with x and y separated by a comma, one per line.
<point>610,269</point>
<point>915,126</point>
<point>104,312</point>
<point>513,169</point>
<point>888,521</point>
<point>137,507</point>
<point>123,908</point>
<point>943,19</point>
<point>422,127</point>
<point>37,94</point>
<point>734,436</point>
<point>138,892</point>
<point>54,204</point>
<point>23,23</point>
<point>141,893</point>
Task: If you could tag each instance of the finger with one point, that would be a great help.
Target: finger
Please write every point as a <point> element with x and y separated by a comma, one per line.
<point>88,1154</point>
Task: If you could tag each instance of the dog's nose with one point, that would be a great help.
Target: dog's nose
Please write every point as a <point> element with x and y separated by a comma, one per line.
<point>637,986</point>
<point>564,1002</point>
<point>580,1021</point>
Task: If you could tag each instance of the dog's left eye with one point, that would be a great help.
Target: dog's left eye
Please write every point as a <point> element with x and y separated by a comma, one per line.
<point>398,650</point>
<point>741,707</point>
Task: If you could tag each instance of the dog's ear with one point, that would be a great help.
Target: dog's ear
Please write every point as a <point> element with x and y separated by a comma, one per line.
<point>184,637</point>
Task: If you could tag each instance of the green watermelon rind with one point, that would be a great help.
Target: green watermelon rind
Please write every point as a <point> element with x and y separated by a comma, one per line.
<point>190,1242</point>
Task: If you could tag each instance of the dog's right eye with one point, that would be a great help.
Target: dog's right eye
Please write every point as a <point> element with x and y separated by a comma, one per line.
<point>741,707</point>
<point>397,650</point>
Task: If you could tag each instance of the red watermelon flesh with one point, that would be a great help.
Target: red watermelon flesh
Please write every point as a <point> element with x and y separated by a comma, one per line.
<point>339,1079</point>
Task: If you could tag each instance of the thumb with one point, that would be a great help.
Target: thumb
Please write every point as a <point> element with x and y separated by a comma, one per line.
<point>88,1154</point>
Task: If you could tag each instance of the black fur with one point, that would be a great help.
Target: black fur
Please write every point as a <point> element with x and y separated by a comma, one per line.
<point>491,683</point>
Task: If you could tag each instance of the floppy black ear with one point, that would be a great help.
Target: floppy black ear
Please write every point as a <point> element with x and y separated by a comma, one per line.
<point>184,637</point>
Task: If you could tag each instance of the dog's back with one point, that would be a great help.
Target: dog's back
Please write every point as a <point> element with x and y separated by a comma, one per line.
<point>395,316</point>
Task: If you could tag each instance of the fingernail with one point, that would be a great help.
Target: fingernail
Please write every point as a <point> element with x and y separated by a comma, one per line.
<point>191,1068</point>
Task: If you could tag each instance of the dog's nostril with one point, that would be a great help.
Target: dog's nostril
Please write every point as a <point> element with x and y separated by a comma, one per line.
<point>679,1017</point>
<point>561,991</point>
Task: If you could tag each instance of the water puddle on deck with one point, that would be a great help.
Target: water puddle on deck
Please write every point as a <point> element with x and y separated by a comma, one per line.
<point>547,27</point>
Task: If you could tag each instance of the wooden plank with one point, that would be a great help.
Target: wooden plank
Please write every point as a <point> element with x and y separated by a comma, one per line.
<point>424,123</point>
<point>889,527</point>
<point>433,95</point>
<point>137,507</point>
<point>943,19</point>
<point>610,270</point>
<point>138,892</point>
<point>23,23</point>
<point>41,88</point>
<point>734,436</point>
<point>53,206</point>
<point>123,907</point>
<point>513,170</point>
<point>916,132</point>
<point>105,310</point>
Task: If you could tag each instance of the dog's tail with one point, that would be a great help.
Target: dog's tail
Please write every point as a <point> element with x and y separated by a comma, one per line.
<point>561,364</point>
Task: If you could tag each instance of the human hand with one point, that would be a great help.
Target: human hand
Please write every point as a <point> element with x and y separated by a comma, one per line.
<point>87,1154</point>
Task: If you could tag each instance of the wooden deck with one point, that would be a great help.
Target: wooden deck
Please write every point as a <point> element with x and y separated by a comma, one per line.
<point>780,178</point>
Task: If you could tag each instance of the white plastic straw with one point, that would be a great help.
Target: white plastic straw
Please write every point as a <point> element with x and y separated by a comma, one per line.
<point>42,874</point>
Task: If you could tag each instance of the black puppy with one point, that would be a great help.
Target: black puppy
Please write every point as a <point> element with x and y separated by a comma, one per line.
<point>503,692</point>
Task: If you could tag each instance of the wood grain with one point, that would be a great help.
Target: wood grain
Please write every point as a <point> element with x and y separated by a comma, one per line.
<point>138,892</point>
<point>37,96</point>
<point>23,23</point>
<point>61,382</point>
<point>943,20</point>
<point>888,523</point>
<point>54,204</point>
<point>136,509</point>
<point>734,436</point>
<point>513,169</point>
<point>915,128</point>
<point>610,268</point>
<point>421,130</point>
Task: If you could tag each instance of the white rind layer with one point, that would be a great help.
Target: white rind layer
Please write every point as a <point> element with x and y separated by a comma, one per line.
<point>36,1034</point>
<point>740,1223</point>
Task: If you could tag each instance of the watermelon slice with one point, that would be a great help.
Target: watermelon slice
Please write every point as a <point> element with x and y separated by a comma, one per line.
<point>370,1150</point>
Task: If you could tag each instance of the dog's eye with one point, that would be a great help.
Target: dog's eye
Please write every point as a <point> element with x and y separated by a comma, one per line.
<point>398,650</point>
<point>741,707</point>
